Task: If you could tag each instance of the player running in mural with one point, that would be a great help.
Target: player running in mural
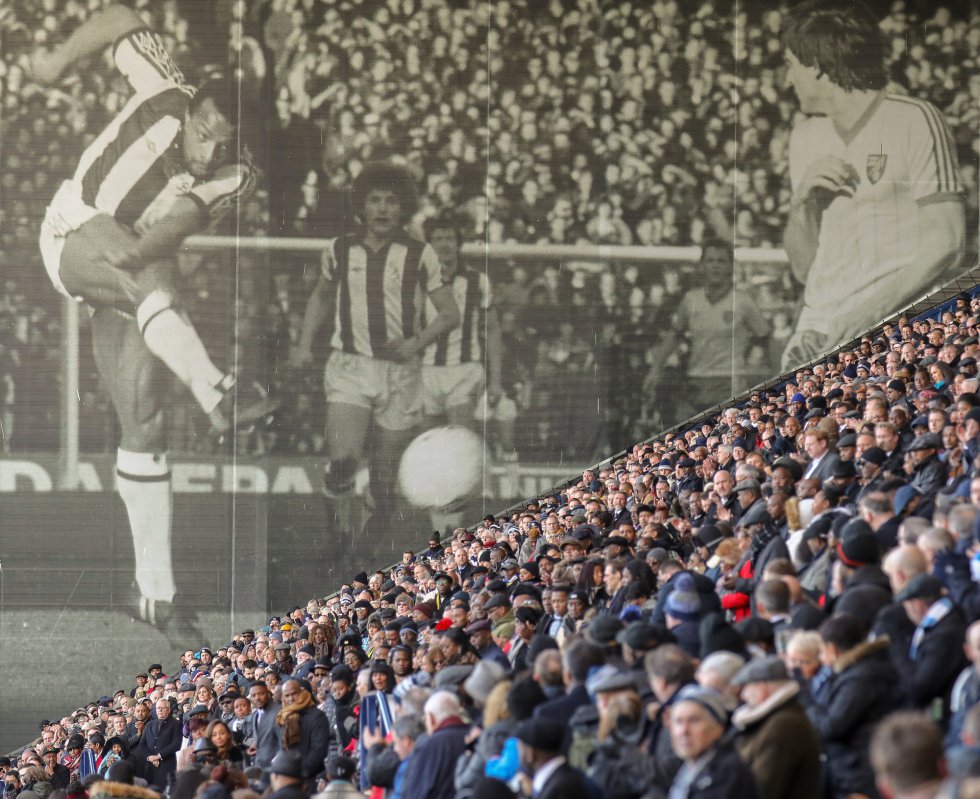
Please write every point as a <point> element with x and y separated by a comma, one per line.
<point>374,283</point>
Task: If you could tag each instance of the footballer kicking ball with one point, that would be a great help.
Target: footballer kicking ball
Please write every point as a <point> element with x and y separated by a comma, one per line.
<point>442,468</point>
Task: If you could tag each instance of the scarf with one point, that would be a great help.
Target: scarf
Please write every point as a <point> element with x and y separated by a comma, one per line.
<point>760,541</point>
<point>937,612</point>
<point>288,719</point>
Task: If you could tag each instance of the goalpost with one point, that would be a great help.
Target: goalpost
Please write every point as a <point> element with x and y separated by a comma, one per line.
<point>573,256</point>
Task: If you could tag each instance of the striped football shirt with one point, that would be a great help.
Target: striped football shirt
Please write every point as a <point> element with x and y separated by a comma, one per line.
<point>134,168</point>
<point>464,343</point>
<point>379,295</point>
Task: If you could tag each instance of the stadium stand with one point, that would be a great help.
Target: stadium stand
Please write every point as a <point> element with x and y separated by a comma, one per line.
<point>793,568</point>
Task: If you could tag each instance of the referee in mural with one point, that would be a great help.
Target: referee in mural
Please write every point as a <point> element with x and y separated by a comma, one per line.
<point>374,283</point>
<point>167,166</point>
<point>877,203</point>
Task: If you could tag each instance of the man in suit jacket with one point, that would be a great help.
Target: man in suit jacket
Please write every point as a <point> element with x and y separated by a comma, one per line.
<point>823,460</point>
<point>161,738</point>
<point>579,658</point>
<point>264,723</point>
<point>540,744</point>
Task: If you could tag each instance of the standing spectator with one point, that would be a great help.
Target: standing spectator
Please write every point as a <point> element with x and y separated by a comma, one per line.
<point>430,770</point>
<point>161,740</point>
<point>303,728</point>
<point>876,215</point>
<point>267,732</point>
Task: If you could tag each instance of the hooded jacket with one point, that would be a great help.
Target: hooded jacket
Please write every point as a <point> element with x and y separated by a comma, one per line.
<point>863,689</point>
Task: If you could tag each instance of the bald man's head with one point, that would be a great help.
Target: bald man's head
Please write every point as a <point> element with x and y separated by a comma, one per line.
<point>902,564</point>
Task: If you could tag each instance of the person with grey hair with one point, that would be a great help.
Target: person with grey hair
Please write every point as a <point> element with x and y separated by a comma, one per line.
<point>716,672</point>
<point>429,773</point>
<point>384,765</point>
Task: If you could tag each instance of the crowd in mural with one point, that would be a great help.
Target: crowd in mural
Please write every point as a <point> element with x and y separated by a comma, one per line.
<point>780,599</point>
<point>588,131</point>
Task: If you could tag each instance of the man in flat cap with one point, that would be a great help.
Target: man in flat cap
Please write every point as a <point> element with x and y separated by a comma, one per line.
<point>935,657</point>
<point>930,472</point>
<point>286,776</point>
<point>775,737</point>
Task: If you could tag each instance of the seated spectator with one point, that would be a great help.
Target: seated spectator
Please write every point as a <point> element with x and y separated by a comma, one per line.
<point>775,738</point>
<point>907,754</point>
<point>864,689</point>
<point>710,766</point>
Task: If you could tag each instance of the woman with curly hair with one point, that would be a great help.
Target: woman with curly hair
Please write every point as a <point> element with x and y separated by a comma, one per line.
<point>321,637</point>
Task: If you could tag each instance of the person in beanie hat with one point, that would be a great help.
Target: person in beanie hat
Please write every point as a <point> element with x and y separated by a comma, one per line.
<point>683,612</point>
<point>710,766</point>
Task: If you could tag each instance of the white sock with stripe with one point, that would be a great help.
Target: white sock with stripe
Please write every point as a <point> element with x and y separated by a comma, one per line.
<point>173,339</point>
<point>143,482</point>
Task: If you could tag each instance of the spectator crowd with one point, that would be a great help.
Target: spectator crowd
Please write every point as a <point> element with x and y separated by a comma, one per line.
<point>778,601</point>
<point>561,122</point>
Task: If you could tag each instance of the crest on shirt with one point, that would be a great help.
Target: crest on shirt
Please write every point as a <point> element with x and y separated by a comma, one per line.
<point>876,166</point>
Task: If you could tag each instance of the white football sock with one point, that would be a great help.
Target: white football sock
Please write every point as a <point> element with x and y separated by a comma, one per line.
<point>143,482</point>
<point>174,341</point>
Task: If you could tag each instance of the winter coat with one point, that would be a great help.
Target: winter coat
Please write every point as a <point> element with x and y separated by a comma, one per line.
<point>724,776</point>
<point>706,593</point>
<point>432,765</point>
<point>619,767</point>
<point>779,744</point>
<point>937,663</point>
<point>470,767</point>
<point>863,690</point>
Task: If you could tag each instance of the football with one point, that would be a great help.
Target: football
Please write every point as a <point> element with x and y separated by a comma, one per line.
<point>441,468</point>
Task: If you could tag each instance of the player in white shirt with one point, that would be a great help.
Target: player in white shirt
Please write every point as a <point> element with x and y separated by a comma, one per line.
<point>876,218</point>
<point>166,167</point>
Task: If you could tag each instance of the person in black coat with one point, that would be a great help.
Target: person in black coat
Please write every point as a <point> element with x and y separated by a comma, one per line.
<point>935,657</point>
<point>710,603</point>
<point>540,744</point>
<point>267,732</point>
<point>161,740</point>
<point>580,657</point>
<point>303,728</point>
<point>711,768</point>
<point>57,774</point>
<point>430,770</point>
<point>864,689</point>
